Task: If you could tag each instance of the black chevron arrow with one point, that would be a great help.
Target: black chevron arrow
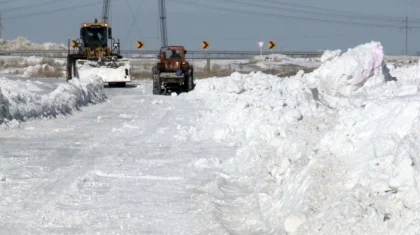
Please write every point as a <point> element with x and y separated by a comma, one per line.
<point>205,45</point>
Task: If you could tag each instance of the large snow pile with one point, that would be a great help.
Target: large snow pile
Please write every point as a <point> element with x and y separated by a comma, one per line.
<point>407,73</point>
<point>32,70</point>
<point>20,101</point>
<point>305,166</point>
<point>22,43</point>
<point>32,66</point>
<point>329,55</point>
<point>357,66</point>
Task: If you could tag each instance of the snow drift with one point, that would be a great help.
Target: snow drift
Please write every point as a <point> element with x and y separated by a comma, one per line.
<point>22,43</point>
<point>329,55</point>
<point>20,101</point>
<point>32,67</point>
<point>357,66</point>
<point>304,166</point>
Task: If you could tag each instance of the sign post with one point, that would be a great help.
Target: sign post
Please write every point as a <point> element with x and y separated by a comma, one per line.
<point>261,46</point>
<point>205,45</point>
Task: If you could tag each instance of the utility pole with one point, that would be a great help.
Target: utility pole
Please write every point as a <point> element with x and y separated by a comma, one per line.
<point>1,26</point>
<point>105,10</point>
<point>406,28</point>
<point>406,35</point>
<point>162,16</point>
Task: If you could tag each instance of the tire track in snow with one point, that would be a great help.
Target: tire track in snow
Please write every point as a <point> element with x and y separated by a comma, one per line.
<point>139,177</point>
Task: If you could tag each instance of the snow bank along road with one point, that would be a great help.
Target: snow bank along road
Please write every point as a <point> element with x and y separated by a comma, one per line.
<point>335,151</point>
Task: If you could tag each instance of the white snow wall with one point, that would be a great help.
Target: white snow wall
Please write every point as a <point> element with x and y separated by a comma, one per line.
<point>342,75</point>
<point>22,43</point>
<point>344,163</point>
<point>20,104</point>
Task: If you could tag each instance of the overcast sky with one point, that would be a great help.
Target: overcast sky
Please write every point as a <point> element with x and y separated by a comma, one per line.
<point>227,24</point>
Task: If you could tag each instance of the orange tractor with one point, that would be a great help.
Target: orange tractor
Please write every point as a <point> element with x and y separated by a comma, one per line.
<point>172,72</point>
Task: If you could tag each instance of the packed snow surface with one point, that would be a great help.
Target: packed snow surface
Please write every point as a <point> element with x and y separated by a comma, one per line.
<point>335,151</point>
<point>131,165</point>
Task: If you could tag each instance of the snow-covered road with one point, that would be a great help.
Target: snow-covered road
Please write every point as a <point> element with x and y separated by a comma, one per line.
<point>334,151</point>
<point>126,166</point>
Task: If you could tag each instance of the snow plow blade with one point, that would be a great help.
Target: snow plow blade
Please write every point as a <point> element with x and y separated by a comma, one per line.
<point>114,72</point>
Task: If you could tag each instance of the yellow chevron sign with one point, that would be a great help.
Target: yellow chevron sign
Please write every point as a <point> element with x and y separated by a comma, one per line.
<point>74,43</point>
<point>205,44</point>
<point>271,45</point>
<point>140,44</point>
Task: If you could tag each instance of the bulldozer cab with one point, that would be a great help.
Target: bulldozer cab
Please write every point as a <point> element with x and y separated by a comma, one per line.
<point>94,35</point>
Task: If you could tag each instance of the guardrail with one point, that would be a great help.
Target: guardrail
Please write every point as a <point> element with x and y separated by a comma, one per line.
<point>193,54</point>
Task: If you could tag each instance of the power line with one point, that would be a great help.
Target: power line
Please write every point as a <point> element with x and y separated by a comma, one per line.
<point>8,1</point>
<point>348,13</point>
<point>134,15</point>
<point>289,16</point>
<point>54,10</point>
<point>329,13</point>
<point>134,19</point>
<point>30,5</point>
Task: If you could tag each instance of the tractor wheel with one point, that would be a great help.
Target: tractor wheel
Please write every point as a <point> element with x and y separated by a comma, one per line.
<point>157,90</point>
<point>189,84</point>
<point>192,78</point>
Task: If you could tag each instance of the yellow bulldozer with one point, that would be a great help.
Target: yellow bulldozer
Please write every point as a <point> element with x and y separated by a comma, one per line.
<point>91,55</point>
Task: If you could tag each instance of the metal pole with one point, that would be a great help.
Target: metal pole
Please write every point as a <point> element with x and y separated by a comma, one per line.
<point>162,15</point>
<point>406,35</point>
<point>1,26</point>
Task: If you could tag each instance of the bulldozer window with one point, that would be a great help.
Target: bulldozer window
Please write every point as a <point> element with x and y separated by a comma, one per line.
<point>96,37</point>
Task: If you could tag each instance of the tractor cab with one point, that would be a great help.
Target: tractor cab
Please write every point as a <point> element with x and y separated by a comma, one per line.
<point>172,53</point>
<point>172,58</point>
